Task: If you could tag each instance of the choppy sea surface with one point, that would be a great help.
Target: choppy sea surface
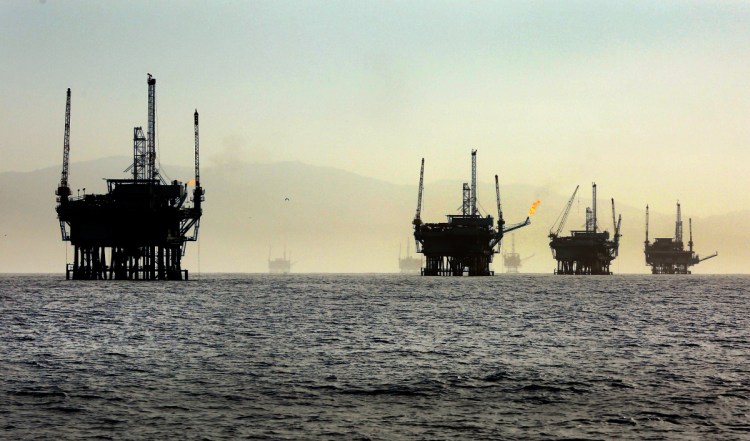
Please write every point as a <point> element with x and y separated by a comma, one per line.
<point>376,357</point>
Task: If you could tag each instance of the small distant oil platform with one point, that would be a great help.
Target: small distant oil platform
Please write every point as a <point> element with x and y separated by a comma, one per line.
<point>588,251</point>
<point>280,265</point>
<point>668,255</point>
<point>465,244</point>
<point>139,229</point>
<point>512,260</point>
<point>409,264</point>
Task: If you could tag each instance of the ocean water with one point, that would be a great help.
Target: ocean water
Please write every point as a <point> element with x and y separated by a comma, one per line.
<point>376,357</point>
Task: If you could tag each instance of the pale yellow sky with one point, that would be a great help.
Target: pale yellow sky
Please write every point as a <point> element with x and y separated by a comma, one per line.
<point>649,99</point>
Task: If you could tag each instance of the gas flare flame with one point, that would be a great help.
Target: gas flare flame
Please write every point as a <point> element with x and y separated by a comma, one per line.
<point>532,210</point>
<point>191,182</point>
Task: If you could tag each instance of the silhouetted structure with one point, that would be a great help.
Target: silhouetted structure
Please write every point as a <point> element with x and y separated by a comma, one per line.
<point>668,255</point>
<point>466,243</point>
<point>280,265</point>
<point>589,251</point>
<point>138,230</point>
<point>409,264</point>
<point>513,261</point>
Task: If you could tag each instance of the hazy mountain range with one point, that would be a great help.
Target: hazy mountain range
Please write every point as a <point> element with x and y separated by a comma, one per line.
<point>336,221</point>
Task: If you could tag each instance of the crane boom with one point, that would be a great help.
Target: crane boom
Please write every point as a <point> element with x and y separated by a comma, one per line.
<point>564,215</point>
<point>500,220</point>
<point>418,215</point>
<point>64,190</point>
<point>197,151</point>
<point>198,192</point>
<point>709,257</point>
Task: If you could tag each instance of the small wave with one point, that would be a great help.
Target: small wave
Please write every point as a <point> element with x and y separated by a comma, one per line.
<point>388,390</point>
<point>668,417</point>
<point>66,409</point>
<point>540,388</point>
<point>39,393</point>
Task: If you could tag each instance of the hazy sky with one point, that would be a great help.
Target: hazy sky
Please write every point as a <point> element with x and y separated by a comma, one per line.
<point>648,98</point>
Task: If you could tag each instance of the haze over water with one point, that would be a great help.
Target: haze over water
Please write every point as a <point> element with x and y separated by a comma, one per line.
<point>376,357</point>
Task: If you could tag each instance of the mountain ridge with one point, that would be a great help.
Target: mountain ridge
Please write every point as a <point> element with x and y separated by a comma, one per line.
<point>334,221</point>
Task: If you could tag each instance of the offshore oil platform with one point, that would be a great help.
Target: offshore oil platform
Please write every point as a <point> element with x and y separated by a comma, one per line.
<point>588,251</point>
<point>668,255</point>
<point>280,265</point>
<point>465,244</point>
<point>139,229</point>
<point>512,261</point>
<point>409,264</point>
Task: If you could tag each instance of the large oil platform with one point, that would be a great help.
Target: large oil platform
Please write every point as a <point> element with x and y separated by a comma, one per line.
<point>280,265</point>
<point>409,264</point>
<point>668,255</point>
<point>139,229</point>
<point>512,261</point>
<point>465,244</point>
<point>588,251</point>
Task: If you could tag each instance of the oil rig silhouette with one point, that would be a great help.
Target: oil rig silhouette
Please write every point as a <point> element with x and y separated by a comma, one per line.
<point>465,244</point>
<point>588,251</point>
<point>668,255</point>
<point>513,261</point>
<point>280,265</point>
<point>409,264</point>
<point>139,229</point>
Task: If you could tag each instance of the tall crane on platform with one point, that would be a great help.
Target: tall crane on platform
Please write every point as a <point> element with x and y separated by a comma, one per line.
<point>63,190</point>
<point>418,216</point>
<point>616,226</point>
<point>563,216</point>
<point>500,220</point>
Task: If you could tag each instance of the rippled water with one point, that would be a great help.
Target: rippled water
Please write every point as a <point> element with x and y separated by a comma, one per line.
<point>376,357</point>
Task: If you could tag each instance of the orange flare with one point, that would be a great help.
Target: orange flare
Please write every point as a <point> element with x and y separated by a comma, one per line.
<point>533,207</point>
<point>191,182</point>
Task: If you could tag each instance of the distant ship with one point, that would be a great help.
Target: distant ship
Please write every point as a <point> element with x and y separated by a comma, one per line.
<point>409,264</point>
<point>280,265</point>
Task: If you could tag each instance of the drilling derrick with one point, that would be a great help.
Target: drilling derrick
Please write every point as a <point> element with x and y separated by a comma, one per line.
<point>138,230</point>
<point>668,255</point>
<point>588,251</point>
<point>465,244</point>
